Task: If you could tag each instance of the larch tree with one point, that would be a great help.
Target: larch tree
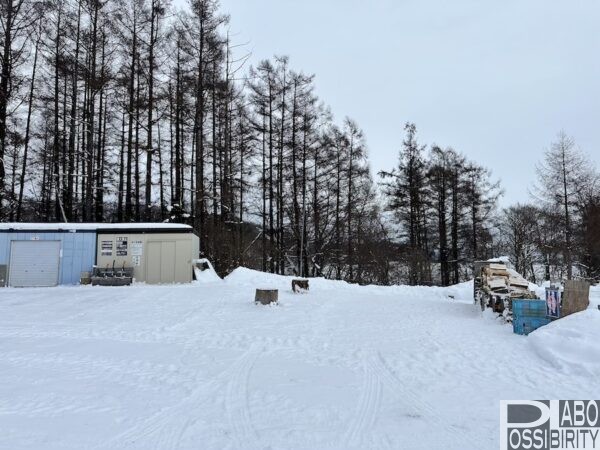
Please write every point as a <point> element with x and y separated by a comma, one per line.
<point>561,176</point>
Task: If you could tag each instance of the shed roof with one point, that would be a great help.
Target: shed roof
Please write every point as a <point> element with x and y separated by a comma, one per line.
<point>159,227</point>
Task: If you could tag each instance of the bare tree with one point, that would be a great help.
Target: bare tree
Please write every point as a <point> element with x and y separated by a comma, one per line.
<point>563,173</point>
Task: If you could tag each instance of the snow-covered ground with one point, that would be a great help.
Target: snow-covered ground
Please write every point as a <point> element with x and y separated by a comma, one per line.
<point>201,367</point>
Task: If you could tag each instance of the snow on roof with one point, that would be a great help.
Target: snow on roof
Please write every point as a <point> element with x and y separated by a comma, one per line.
<point>503,259</point>
<point>29,226</point>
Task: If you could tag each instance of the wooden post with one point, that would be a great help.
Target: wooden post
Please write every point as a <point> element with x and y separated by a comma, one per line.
<point>299,285</point>
<point>266,296</point>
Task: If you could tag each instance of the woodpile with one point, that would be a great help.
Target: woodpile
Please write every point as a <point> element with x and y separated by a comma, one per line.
<point>499,279</point>
<point>496,285</point>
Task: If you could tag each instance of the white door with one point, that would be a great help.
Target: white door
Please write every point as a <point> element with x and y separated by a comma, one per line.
<point>160,262</point>
<point>34,263</point>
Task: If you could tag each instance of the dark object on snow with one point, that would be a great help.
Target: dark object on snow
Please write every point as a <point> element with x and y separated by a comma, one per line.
<point>576,297</point>
<point>112,277</point>
<point>266,296</point>
<point>3,273</point>
<point>299,285</point>
<point>202,265</point>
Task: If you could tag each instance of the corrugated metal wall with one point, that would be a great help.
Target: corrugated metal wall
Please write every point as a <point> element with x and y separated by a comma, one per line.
<point>78,251</point>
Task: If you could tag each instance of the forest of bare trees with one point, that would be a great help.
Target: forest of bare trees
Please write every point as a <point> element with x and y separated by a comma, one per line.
<point>557,235</point>
<point>132,110</point>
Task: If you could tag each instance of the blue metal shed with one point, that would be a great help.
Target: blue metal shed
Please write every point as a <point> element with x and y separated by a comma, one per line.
<point>75,252</point>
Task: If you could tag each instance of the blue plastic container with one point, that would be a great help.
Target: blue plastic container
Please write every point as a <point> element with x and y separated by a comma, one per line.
<point>531,308</point>
<point>528,315</point>
<point>525,324</point>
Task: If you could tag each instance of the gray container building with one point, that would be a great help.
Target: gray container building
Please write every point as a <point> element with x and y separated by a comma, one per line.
<point>49,254</point>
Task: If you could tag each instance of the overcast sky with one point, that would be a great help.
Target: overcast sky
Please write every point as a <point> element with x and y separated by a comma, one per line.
<point>496,80</point>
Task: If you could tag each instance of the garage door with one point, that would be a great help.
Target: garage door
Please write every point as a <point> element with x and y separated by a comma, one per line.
<point>34,263</point>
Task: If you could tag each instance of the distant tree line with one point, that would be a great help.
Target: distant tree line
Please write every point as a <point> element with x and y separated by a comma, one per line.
<point>444,207</point>
<point>131,110</point>
<point>558,235</point>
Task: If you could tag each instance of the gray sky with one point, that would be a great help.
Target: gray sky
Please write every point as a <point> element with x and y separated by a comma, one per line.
<point>496,80</point>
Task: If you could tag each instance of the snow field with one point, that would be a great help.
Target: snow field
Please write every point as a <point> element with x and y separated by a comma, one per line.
<point>341,366</point>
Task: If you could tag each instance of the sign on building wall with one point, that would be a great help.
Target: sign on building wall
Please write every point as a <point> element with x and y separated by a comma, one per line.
<point>137,248</point>
<point>106,248</point>
<point>122,246</point>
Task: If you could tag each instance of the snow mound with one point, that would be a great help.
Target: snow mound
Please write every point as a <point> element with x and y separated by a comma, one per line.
<point>243,275</point>
<point>461,293</point>
<point>570,344</point>
<point>263,280</point>
<point>207,275</point>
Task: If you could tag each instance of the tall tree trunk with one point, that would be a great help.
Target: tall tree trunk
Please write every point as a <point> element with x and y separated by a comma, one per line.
<point>150,145</point>
<point>136,143</point>
<point>130,112</point>
<point>160,178</point>
<point>199,214</point>
<point>350,201</point>
<point>271,225</point>
<point>73,121</point>
<point>338,241</point>
<point>5,81</point>
<point>121,171</point>
<point>567,251</point>
<point>264,196</point>
<point>295,206</point>
<point>27,132</point>
<point>89,199</point>
<point>304,235</point>
<point>454,226</point>
<point>56,146</point>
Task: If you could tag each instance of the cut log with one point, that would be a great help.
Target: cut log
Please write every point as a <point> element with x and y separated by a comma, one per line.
<point>266,296</point>
<point>299,285</point>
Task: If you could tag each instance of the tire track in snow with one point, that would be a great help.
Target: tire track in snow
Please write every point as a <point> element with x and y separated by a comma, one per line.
<point>452,438</point>
<point>138,337</point>
<point>172,433</point>
<point>367,409</point>
<point>237,402</point>
<point>311,346</point>
<point>134,373</point>
<point>166,426</point>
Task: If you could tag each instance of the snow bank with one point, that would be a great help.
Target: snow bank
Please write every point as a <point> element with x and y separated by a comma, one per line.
<point>263,280</point>
<point>462,292</point>
<point>207,275</point>
<point>570,344</point>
